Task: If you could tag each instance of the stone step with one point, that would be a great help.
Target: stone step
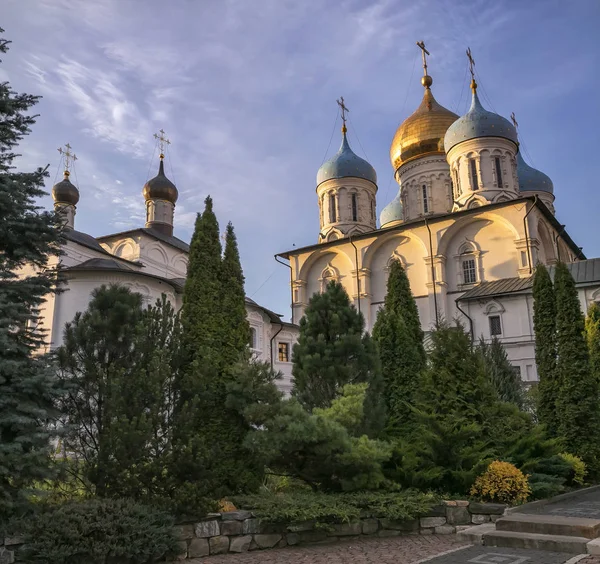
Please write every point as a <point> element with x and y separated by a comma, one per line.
<point>550,525</point>
<point>552,543</point>
<point>474,535</point>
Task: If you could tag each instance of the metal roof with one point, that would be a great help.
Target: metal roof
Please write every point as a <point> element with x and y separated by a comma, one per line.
<point>169,239</point>
<point>584,271</point>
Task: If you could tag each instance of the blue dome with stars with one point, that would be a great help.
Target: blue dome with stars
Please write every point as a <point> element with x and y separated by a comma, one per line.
<point>392,213</point>
<point>478,122</point>
<point>345,163</point>
<point>531,179</point>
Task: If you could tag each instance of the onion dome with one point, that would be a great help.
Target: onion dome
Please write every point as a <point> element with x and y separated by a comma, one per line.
<point>392,214</point>
<point>65,192</point>
<point>345,163</point>
<point>160,187</point>
<point>531,179</point>
<point>478,122</point>
<point>423,132</point>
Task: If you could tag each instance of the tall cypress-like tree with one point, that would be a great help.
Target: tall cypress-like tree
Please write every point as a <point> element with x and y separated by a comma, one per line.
<point>237,330</point>
<point>399,337</point>
<point>332,349</point>
<point>592,332</point>
<point>544,324</point>
<point>30,243</point>
<point>578,403</point>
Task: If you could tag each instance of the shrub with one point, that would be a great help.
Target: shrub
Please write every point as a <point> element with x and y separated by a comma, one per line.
<point>502,482</point>
<point>578,467</point>
<point>98,532</point>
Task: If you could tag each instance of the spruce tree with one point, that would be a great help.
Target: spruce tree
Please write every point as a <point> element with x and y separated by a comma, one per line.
<point>578,403</point>
<point>399,337</point>
<point>332,350</point>
<point>544,324</point>
<point>592,332</point>
<point>29,246</point>
<point>237,329</point>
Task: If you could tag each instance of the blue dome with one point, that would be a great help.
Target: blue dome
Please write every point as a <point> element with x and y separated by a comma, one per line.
<point>392,212</point>
<point>531,179</point>
<point>478,122</point>
<point>345,163</point>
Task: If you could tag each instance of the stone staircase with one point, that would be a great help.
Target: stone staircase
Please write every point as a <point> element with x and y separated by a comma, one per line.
<point>555,533</point>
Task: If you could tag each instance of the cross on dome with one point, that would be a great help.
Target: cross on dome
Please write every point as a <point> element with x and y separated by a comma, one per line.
<point>343,109</point>
<point>471,69</point>
<point>426,80</point>
<point>162,142</point>
<point>69,157</point>
<point>513,118</point>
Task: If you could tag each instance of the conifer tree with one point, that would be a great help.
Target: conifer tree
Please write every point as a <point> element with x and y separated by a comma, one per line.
<point>544,323</point>
<point>332,350</point>
<point>399,337</point>
<point>592,332</point>
<point>29,239</point>
<point>578,403</point>
<point>237,329</point>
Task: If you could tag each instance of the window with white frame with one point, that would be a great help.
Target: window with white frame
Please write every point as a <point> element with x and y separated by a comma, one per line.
<point>283,352</point>
<point>495,325</point>
<point>253,338</point>
<point>425,198</point>
<point>474,179</point>
<point>469,269</point>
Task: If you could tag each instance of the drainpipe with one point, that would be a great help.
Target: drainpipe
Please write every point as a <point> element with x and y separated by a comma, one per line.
<point>291,281</point>
<point>357,273</point>
<point>471,332</point>
<point>556,236</point>
<point>527,233</point>
<point>435,304</point>
<point>272,339</point>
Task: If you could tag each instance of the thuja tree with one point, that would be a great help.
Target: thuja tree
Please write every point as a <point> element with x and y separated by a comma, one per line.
<point>544,323</point>
<point>578,403</point>
<point>30,243</point>
<point>399,337</point>
<point>592,332</point>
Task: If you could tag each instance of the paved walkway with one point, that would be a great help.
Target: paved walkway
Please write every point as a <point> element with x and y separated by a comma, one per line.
<point>586,505</point>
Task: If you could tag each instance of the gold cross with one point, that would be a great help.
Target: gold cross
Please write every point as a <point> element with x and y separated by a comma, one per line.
<point>424,53</point>
<point>162,142</point>
<point>344,109</point>
<point>70,157</point>
<point>513,118</point>
<point>471,64</point>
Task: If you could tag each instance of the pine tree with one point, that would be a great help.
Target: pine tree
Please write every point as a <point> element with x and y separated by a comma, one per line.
<point>578,403</point>
<point>399,337</point>
<point>29,244</point>
<point>592,332</point>
<point>332,350</point>
<point>501,373</point>
<point>544,323</point>
<point>237,329</point>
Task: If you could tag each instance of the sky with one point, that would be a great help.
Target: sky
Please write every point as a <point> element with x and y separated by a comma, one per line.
<point>246,92</point>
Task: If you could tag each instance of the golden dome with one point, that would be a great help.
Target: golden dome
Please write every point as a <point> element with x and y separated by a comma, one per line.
<point>423,132</point>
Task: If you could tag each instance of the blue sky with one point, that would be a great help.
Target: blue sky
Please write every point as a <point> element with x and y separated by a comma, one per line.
<point>246,92</point>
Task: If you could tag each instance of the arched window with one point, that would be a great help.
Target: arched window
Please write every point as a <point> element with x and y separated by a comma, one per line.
<point>332,209</point>
<point>468,264</point>
<point>354,208</point>
<point>474,179</point>
<point>372,209</point>
<point>425,198</point>
<point>253,338</point>
<point>498,166</point>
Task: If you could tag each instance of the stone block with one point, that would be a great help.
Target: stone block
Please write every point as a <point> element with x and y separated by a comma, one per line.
<point>265,528</point>
<point>389,533</point>
<point>219,545</point>
<point>236,515</point>
<point>13,541</point>
<point>253,545</point>
<point>444,530</point>
<point>450,503</point>
<point>427,531</point>
<point>462,503</point>
<point>458,515</point>
<point>198,548</point>
<point>282,543</point>
<point>494,518</point>
<point>292,538</point>
<point>405,525</point>
<point>184,532</point>
<point>487,508</point>
<point>312,536</point>
<point>232,528</point>
<point>182,550</point>
<point>302,526</point>
<point>437,510</point>
<point>206,529</point>
<point>479,519</point>
<point>240,544</point>
<point>266,541</point>
<point>427,522</point>
<point>593,547</point>
<point>6,556</point>
<point>250,526</point>
<point>346,529</point>
<point>370,526</point>
<point>460,528</point>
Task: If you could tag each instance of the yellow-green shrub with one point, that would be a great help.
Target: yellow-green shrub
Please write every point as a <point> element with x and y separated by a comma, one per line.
<point>577,465</point>
<point>502,482</point>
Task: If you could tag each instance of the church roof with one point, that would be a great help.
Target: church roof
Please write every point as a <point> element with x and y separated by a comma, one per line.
<point>168,239</point>
<point>85,240</point>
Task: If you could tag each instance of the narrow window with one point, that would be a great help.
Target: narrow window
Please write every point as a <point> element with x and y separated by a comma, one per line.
<point>425,200</point>
<point>354,208</point>
<point>284,352</point>
<point>523,258</point>
<point>372,209</point>
<point>498,172</point>
<point>517,370</point>
<point>253,338</point>
<point>469,273</point>
<point>332,210</point>
<point>474,181</point>
<point>495,325</point>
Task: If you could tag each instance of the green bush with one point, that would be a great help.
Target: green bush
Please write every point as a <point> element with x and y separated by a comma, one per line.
<point>578,468</point>
<point>326,509</point>
<point>98,532</point>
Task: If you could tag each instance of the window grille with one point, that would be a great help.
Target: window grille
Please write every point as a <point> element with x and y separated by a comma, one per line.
<point>469,272</point>
<point>495,325</point>
<point>284,352</point>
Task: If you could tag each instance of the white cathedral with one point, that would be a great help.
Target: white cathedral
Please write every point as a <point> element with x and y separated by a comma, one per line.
<point>470,222</point>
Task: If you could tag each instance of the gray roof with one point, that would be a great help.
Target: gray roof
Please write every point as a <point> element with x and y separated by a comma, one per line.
<point>85,240</point>
<point>168,239</point>
<point>583,272</point>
